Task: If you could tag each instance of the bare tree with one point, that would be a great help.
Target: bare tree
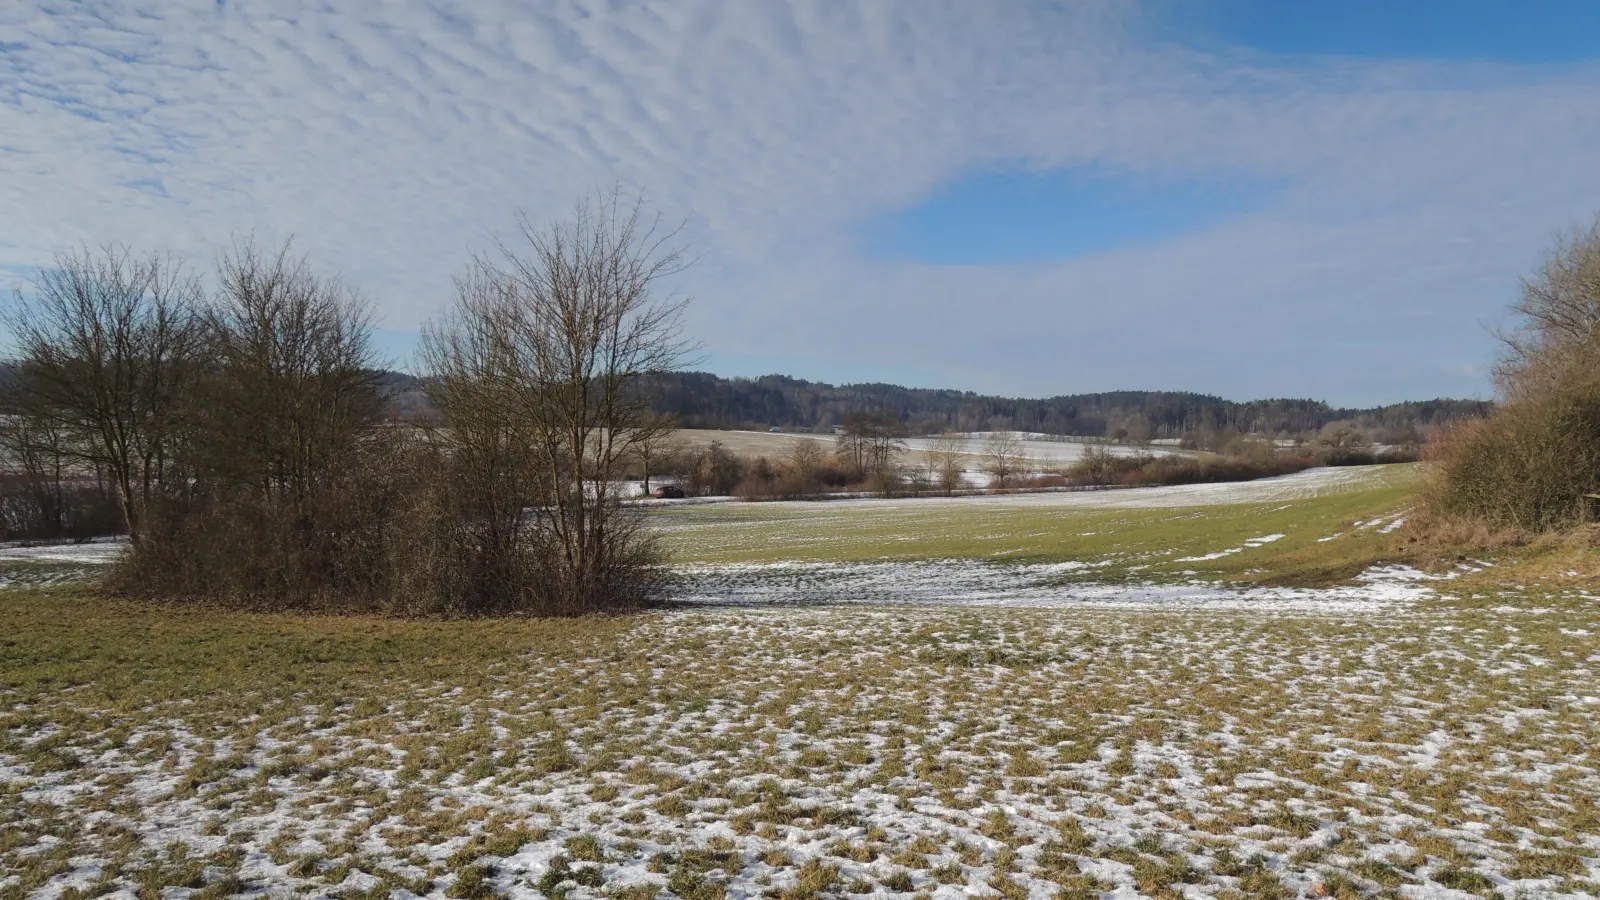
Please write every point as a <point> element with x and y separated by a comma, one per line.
<point>946,460</point>
<point>656,442</point>
<point>805,457</point>
<point>34,468</point>
<point>1097,465</point>
<point>871,441</point>
<point>562,334</point>
<point>108,345</point>
<point>1560,316</point>
<point>1140,435</point>
<point>1003,458</point>
<point>294,378</point>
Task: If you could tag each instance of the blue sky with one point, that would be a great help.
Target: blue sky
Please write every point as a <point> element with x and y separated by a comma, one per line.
<point>1316,198</point>
<point>1014,215</point>
<point>1513,31</point>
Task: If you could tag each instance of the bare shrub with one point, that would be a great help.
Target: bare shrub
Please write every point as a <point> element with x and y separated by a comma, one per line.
<point>946,460</point>
<point>1366,456</point>
<point>1191,470</point>
<point>546,362</point>
<point>894,481</point>
<point>251,549</point>
<point>832,476</point>
<point>760,481</point>
<point>1099,466</point>
<point>1527,466</point>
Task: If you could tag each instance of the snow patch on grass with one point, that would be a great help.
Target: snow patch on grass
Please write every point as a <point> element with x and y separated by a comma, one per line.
<point>972,583</point>
<point>1249,544</point>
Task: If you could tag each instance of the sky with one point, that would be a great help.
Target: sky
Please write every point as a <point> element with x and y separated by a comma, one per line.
<point>1326,198</point>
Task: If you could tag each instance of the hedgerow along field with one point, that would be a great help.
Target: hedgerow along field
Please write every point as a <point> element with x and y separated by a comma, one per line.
<point>1303,739</point>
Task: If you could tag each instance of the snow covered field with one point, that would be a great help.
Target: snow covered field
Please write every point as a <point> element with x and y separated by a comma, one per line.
<point>91,552</point>
<point>1046,451</point>
<point>1282,488</point>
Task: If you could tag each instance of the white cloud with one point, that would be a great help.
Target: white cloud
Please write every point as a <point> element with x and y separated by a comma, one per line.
<point>393,137</point>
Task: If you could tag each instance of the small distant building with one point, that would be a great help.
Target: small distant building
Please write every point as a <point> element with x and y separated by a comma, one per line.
<point>775,430</point>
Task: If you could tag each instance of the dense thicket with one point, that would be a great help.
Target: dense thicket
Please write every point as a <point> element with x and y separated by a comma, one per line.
<point>249,446</point>
<point>1530,465</point>
<point>279,493</point>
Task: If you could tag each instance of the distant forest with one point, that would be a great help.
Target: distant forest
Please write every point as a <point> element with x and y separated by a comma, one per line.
<point>704,400</point>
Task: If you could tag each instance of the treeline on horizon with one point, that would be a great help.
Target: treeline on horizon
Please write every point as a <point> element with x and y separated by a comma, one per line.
<point>705,400</point>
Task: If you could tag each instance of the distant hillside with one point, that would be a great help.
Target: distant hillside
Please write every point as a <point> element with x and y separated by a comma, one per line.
<point>704,400</point>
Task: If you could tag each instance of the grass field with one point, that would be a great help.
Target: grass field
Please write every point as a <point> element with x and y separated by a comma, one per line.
<point>1434,742</point>
<point>1327,524</point>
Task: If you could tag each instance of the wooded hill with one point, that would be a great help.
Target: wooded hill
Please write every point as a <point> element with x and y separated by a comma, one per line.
<point>704,400</point>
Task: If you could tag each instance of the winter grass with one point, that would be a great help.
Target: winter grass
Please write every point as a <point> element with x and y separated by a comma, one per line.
<point>1323,522</point>
<point>1430,737</point>
<point>794,752</point>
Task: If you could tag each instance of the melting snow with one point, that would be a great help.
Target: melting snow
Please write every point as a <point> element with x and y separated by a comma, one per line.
<point>969,583</point>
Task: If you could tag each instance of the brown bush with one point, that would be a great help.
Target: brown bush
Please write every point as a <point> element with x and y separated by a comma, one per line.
<point>325,551</point>
<point>1191,470</point>
<point>894,481</point>
<point>1365,456</point>
<point>1105,469</point>
<point>1527,467</point>
<point>402,530</point>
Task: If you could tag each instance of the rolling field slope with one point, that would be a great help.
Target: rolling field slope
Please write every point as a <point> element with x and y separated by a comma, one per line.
<point>1323,523</point>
